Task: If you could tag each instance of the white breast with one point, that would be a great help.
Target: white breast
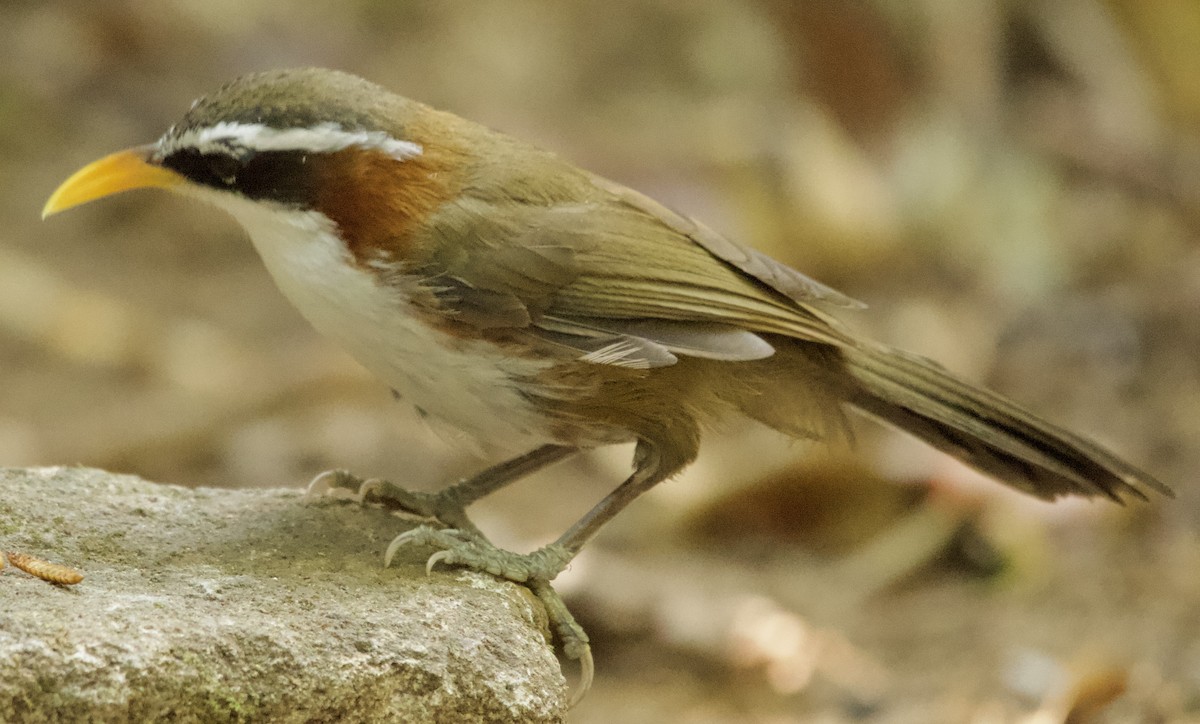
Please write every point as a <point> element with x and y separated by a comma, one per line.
<point>468,384</point>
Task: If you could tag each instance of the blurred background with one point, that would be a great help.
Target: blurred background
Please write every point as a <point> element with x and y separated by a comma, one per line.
<point>1012,186</point>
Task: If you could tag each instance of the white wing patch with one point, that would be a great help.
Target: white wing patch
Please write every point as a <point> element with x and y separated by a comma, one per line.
<point>622,353</point>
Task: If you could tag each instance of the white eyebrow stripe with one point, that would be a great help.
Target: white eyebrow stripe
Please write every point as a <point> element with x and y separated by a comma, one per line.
<point>321,138</point>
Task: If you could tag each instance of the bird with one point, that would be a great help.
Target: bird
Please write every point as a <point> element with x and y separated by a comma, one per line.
<point>544,310</point>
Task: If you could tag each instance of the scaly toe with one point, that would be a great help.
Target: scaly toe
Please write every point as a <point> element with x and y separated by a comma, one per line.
<point>575,642</point>
<point>369,487</point>
<point>466,550</point>
<point>423,535</point>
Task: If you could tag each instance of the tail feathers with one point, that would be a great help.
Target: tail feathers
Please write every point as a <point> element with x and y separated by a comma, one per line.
<point>987,431</point>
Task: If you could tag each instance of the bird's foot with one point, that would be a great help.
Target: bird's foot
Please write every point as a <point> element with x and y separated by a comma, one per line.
<point>535,570</point>
<point>442,506</point>
<point>466,549</point>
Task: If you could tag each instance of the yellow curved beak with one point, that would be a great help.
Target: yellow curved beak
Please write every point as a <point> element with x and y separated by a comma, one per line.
<point>121,171</point>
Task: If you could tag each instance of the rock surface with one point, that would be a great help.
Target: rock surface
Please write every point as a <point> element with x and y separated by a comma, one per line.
<point>249,605</point>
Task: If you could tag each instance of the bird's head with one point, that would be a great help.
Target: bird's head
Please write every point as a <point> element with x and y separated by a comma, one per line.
<point>309,140</point>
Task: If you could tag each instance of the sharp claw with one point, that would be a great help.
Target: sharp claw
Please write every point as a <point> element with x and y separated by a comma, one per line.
<point>320,485</point>
<point>419,536</point>
<point>334,484</point>
<point>587,672</point>
<point>434,560</point>
<point>391,550</point>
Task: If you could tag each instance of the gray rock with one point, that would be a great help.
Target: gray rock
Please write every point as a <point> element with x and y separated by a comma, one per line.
<point>249,605</point>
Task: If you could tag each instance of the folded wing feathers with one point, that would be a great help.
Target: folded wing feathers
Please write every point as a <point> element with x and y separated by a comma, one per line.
<point>782,278</point>
<point>638,299</point>
<point>650,283</point>
<point>654,343</point>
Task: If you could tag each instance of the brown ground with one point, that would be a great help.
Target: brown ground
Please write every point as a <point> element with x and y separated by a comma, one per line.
<point>1013,188</point>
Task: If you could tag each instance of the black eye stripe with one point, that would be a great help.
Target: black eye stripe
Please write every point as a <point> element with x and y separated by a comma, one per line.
<point>215,168</point>
<point>280,176</point>
<point>223,167</point>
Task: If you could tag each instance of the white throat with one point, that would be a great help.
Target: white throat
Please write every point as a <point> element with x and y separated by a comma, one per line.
<point>469,384</point>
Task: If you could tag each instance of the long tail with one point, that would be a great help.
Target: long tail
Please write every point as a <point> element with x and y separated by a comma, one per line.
<point>985,430</point>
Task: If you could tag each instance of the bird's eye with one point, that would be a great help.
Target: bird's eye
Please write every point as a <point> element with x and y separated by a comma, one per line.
<point>223,168</point>
<point>219,169</point>
<point>279,176</point>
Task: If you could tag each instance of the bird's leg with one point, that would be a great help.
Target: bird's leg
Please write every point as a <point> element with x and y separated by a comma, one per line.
<point>449,504</point>
<point>466,549</point>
